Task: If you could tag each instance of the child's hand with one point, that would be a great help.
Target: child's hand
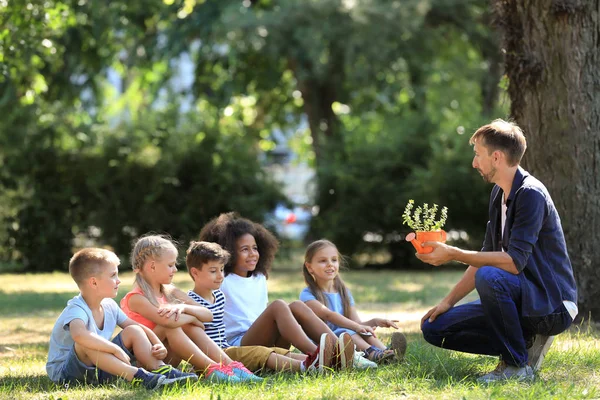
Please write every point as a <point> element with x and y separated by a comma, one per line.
<point>386,323</point>
<point>366,330</point>
<point>121,355</point>
<point>168,310</point>
<point>159,351</point>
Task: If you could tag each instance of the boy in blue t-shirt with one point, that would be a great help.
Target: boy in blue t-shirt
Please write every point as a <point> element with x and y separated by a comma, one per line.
<point>80,346</point>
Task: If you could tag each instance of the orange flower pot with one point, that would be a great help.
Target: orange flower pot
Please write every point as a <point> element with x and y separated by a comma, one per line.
<point>418,238</point>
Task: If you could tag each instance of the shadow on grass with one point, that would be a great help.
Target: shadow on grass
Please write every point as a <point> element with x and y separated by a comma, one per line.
<point>43,384</point>
<point>27,383</point>
<point>16,304</point>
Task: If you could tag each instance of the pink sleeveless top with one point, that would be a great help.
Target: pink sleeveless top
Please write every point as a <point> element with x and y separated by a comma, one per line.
<point>135,316</point>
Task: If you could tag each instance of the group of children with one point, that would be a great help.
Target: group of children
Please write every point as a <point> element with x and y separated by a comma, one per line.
<point>224,327</point>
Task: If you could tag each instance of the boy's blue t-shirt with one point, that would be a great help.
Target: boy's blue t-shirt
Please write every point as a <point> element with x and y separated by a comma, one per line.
<point>61,341</point>
<point>334,302</point>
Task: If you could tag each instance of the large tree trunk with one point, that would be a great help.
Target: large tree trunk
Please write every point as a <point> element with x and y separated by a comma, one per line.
<point>552,59</point>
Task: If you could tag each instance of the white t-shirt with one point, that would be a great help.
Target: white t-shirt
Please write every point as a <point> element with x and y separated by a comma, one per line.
<point>61,341</point>
<point>247,298</point>
<point>569,305</point>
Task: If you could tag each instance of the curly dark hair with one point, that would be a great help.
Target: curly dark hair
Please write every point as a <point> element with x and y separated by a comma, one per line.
<point>227,228</point>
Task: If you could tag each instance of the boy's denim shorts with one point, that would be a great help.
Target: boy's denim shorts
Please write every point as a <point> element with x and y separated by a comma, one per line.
<point>73,370</point>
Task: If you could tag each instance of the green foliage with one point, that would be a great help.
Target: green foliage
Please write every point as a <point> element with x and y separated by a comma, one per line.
<point>374,92</point>
<point>423,219</point>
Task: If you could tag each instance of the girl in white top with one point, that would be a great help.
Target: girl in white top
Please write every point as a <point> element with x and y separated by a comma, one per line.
<point>249,319</point>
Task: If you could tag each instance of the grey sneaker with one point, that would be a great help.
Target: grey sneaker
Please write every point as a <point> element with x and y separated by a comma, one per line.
<point>398,345</point>
<point>505,372</point>
<point>537,351</point>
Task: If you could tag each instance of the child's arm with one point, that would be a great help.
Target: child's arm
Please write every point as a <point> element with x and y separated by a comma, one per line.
<point>190,307</point>
<point>158,348</point>
<point>141,305</point>
<point>90,340</point>
<point>382,322</point>
<point>374,322</point>
<point>338,319</point>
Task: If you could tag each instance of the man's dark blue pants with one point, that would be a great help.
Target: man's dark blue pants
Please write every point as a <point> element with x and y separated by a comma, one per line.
<point>493,325</point>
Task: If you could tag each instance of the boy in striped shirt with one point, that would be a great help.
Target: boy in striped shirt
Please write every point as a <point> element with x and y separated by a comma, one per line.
<point>205,262</point>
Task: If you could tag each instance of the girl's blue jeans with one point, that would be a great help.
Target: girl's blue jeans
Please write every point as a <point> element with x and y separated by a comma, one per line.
<point>493,325</point>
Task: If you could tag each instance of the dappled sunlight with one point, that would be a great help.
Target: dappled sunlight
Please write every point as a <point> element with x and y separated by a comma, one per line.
<point>407,287</point>
<point>21,331</point>
<point>40,283</point>
<point>283,284</point>
<point>32,311</point>
<point>32,368</point>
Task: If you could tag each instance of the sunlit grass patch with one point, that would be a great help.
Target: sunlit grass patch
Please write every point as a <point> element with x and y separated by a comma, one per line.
<point>30,304</point>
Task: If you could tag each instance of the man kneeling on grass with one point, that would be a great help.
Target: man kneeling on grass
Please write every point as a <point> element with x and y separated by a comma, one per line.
<point>523,274</point>
<point>80,345</point>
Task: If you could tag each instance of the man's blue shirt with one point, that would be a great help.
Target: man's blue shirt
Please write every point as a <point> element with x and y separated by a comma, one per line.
<point>534,239</point>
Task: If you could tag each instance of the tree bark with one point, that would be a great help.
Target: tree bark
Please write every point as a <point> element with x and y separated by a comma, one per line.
<point>552,58</point>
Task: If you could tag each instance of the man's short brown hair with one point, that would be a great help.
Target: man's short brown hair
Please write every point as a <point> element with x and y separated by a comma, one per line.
<point>505,136</point>
<point>89,262</point>
<point>200,253</point>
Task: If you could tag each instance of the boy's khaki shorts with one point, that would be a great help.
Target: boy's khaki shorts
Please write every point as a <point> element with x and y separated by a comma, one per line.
<point>253,357</point>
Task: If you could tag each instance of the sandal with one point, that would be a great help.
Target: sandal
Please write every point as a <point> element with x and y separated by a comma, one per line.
<point>379,356</point>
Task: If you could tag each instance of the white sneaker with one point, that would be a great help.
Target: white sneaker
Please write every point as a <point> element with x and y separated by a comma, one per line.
<point>345,352</point>
<point>537,352</point>
<point>360,362</point>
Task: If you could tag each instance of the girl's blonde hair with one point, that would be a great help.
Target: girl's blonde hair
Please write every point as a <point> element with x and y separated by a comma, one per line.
<point>338,283</point>
<point>151,247</point>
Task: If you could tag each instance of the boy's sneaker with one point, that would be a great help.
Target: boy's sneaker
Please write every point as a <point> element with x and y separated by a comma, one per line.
<point>537,351</point>
<point>345,352</point>
<point>398,345</point>
<point>504,372</point>
<point>243,373</point>
<point>360,362</point>
<point>324,356</point>
<point>174,375</point>
<point>148,380</point>
<point>217,373</point>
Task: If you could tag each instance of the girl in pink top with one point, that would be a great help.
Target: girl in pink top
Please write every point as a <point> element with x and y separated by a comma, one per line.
<point>138,317</point>
<point>157,304</point>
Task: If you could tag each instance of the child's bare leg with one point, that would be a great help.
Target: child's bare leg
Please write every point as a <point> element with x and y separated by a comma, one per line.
<point>282,343</point>
<point>296,356</point>
<point>186,349</point>
<point>135,338</point>
<point>172,358</point>
<point>360,342</point>
<point>375,342</point>
<point>276,322</point>
<point>206,344</point>
<point>279,362</point>
<point>311,324</point>
<point>105,361</point>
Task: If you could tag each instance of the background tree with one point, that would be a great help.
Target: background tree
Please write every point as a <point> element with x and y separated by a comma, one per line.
<point>378,86</point>
<point>376,95</point>
<point>552,54</point>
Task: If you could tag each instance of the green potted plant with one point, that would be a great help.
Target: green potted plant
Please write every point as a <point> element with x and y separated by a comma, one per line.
<point>426,227</point>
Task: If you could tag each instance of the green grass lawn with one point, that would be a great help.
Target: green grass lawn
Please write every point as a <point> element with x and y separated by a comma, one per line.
<point>29,305</point>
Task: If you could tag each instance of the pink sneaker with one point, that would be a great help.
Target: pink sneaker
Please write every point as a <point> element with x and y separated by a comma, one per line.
<point>220,374</point>
<point>243,373</point>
